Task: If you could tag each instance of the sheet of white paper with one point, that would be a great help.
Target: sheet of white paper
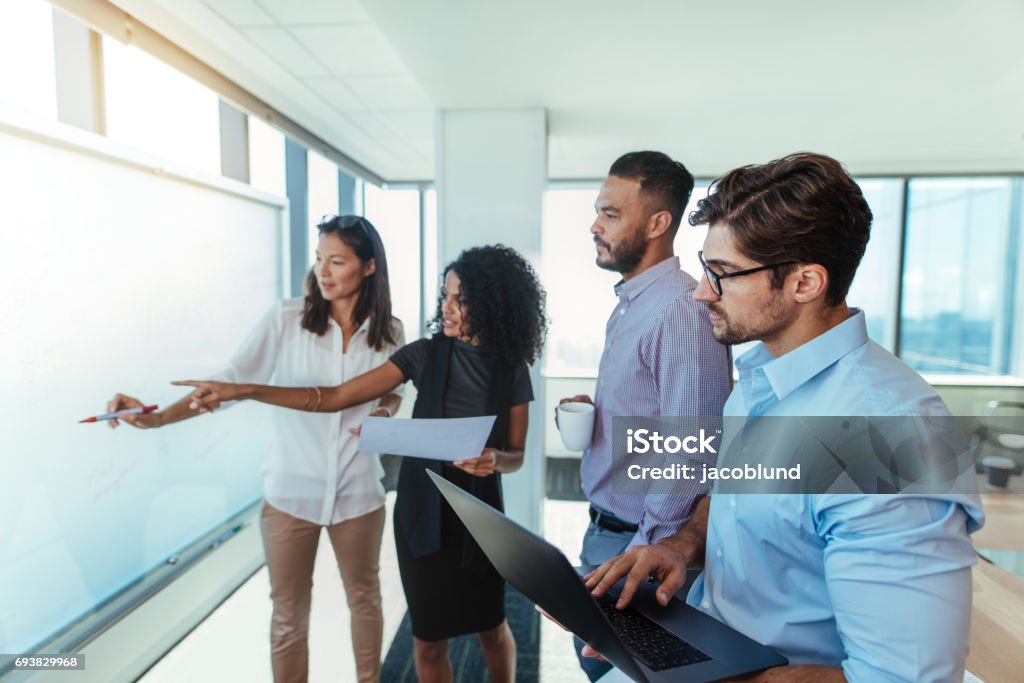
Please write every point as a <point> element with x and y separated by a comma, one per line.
<point>446,439</point>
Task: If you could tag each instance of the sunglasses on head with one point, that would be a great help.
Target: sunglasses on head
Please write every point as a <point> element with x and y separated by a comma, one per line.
<point>346,222</point>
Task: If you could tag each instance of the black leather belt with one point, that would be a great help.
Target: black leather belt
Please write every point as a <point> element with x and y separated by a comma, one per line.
<point>611,522</point>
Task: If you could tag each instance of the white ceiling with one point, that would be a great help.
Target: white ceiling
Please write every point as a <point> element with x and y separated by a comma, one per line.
<point>918,86</point>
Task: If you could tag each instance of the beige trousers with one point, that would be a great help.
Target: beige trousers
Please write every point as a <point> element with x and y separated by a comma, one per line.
<point>290,546</point>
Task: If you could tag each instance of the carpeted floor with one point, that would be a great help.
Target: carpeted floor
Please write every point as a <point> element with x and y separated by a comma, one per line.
<point>467,658</point>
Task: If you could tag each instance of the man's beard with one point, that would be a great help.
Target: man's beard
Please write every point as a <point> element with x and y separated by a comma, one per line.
<point>726,334</point>
<point>625,256</point>
<point>770,320</point>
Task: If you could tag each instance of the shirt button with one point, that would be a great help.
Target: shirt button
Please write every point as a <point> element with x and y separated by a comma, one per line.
<point>706,604</point>
<point>622,311</point>
<point>732,503</point>
<point>718,552</point>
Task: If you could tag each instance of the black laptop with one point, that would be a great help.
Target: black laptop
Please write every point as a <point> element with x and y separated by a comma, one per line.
<point>645,641</point>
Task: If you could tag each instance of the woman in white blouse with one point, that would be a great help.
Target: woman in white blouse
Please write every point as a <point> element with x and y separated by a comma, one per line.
<point>314,477</point>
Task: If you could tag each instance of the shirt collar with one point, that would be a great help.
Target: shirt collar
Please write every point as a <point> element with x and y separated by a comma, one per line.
<point>631,289</point>
<point>789,371</point>
<point>364,327</point>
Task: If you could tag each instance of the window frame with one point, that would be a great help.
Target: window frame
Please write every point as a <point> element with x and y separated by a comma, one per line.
<point>1013,291</point>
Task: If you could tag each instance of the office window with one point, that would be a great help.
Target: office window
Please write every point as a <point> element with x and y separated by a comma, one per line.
<point>396,215</point>
<point>322,193</point>
<point>581,295</point>
<point>28,78</point>
<point>360,198</point>
<point>153,107</point>
<point>874,287</point>
<point>266,157</point>
<point>962,241</point>
<point>431,277</point>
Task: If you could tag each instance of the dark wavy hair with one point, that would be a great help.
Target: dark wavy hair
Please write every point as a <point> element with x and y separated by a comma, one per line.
<point>803,207</point>
<point>374,298</point>
<point>504,300</point>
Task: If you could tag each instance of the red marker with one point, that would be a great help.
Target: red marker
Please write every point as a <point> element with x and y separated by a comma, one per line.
<point>119,413</point>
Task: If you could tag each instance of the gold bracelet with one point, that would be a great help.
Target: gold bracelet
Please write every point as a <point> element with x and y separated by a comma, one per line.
<point>309,396</point>
<point>316,408</point>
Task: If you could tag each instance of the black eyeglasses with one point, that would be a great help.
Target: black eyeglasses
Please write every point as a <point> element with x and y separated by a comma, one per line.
<point>347,222</point>
<point>715,280</point>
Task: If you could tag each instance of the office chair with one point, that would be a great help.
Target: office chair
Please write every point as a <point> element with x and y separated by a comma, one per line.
<point>1002,434</point>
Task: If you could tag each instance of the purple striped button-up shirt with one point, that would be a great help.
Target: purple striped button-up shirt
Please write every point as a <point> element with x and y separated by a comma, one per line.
<point>659,359</point>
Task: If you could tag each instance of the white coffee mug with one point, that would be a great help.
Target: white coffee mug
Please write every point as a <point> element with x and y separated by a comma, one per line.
<point>576,424</point>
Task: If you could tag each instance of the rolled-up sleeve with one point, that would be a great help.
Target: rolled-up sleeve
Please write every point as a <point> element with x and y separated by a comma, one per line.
<point>898,572</point>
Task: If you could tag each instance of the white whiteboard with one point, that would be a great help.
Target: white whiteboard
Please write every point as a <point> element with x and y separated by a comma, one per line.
<point>114,277</point>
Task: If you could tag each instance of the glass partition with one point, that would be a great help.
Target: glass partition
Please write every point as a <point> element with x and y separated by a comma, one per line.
<point>958,311</point>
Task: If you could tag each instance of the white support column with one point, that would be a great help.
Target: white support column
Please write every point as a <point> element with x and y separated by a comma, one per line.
<point>491,175</point>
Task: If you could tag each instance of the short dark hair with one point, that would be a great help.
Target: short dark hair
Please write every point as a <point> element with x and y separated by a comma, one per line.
<point>804,207</point>
<point>666,183</point>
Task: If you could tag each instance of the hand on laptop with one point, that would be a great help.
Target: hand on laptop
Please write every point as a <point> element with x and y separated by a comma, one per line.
<point>664,562</point>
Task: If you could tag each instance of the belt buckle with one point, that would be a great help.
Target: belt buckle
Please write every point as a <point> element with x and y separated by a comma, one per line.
<point>605,521</point>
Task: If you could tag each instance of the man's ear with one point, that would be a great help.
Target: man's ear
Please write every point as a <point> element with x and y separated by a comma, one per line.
<point>810,282</point>
<point>658,224</point>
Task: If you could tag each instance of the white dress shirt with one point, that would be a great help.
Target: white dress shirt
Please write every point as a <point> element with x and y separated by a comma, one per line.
<point>312,469</point>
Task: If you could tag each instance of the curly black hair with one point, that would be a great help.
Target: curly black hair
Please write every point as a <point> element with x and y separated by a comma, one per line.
<point>505,303</point>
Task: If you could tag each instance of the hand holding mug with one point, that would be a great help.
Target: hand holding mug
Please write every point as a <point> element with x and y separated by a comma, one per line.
<point>575,420</point>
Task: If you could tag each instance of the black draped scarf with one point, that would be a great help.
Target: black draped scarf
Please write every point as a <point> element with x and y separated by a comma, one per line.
<point>418,504</point>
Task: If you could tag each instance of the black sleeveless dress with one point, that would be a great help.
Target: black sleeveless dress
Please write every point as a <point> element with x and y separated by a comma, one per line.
<point>450,586</point>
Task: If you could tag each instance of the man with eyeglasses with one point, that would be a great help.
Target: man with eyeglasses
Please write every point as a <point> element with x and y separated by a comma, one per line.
<point>847,587</point>
<point>659,358</point>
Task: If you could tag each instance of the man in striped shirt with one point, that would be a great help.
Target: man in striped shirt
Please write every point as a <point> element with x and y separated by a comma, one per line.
<point>660,357</point>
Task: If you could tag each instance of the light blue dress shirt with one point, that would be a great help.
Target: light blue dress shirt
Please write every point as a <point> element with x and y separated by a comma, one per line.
<point>879,585</point>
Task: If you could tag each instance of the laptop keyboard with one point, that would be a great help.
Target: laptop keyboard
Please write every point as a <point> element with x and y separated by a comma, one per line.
<point>653,645</point>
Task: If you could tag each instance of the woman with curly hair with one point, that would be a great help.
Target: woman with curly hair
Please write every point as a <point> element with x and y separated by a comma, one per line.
<point>489,325</point>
